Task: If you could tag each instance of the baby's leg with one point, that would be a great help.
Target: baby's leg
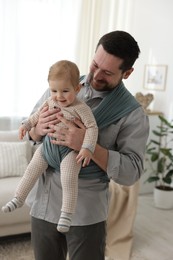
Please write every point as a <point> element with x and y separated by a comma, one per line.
<point>35,168</point>
<point>69,179</point>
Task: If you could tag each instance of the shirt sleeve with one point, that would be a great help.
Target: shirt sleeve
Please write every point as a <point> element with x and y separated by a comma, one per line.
<point>126,161</point>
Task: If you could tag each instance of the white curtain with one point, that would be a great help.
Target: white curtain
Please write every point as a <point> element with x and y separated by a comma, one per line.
<point>97,18</point>
<point>36,33</point>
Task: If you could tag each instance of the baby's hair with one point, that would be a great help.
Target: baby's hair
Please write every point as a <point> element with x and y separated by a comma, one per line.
<point>64,69</point>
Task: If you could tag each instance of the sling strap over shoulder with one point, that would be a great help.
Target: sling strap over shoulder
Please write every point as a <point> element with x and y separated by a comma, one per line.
<point>113,107</point>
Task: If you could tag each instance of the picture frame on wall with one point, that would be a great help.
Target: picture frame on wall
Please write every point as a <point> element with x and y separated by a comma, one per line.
<point>155,77</point>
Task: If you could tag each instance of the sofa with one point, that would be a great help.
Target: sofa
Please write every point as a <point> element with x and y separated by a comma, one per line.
<point>14,158</point>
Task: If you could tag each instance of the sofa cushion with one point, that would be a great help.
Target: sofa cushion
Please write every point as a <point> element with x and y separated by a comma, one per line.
<point>9,136</point>
<point>14,158</point>
<point>17,221</point>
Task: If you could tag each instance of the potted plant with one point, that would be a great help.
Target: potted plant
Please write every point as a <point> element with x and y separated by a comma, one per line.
<point>159,163</point>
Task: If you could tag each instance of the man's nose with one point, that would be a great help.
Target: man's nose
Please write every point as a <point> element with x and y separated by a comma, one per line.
<point>98,74</point>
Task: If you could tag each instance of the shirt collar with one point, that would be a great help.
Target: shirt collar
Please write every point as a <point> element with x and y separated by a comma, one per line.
<point>87,92</point>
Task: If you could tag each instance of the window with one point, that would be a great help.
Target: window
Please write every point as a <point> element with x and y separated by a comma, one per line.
<point>34,34</point>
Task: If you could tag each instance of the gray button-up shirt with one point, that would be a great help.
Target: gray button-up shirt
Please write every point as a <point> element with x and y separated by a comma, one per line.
<point>125,141</point>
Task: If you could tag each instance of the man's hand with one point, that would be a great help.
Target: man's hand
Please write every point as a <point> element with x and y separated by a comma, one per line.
<point>47,117</point>
<point>71,136</point>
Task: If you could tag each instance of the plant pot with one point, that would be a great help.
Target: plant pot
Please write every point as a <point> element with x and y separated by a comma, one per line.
<point>163,199</point>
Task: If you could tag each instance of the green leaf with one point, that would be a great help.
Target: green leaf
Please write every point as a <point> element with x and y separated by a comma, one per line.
<point>155,142</point>
<point>166,151</point>
<point>157,133</point>
<point>165,121</point>
<point>167,180</point>
<point>170,165</point>
<point>150,150</point>
<point>169,174</point>
<point>161,165</point>
<point>152,179</point>
<point>154,157</point>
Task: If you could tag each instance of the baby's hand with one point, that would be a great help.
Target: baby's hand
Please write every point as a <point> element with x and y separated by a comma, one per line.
<point>85,156</point>
<point>22,132</point>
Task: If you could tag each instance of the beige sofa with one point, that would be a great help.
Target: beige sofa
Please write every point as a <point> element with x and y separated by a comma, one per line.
<point>14,157</point>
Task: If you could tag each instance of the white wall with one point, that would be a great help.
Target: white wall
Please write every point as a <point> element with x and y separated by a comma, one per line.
<point>150,23</point>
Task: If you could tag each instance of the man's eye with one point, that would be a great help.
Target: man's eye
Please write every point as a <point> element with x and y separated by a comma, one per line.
<point>95,65</point>
<point>108,73</point>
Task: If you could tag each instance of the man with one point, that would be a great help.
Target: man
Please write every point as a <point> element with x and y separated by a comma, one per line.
<point>119,154</point>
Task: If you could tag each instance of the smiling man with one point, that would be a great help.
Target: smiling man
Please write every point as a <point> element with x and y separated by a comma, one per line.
<point>118,156</point>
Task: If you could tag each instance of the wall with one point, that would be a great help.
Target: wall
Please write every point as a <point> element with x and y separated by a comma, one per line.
<point>150,23</point>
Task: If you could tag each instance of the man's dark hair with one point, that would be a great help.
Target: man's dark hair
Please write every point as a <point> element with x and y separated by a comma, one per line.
<point>121,44</point>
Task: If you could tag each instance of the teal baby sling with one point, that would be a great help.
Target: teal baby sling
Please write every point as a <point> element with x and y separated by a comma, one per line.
<point>113,107</point>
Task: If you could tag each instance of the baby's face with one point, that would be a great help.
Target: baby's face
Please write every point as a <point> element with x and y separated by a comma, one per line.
<point>63,92</point>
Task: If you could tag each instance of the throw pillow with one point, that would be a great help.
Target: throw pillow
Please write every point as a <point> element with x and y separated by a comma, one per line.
<point>14,158</point>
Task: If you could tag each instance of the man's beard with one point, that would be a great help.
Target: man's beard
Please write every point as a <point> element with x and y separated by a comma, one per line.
<point>99,85</point>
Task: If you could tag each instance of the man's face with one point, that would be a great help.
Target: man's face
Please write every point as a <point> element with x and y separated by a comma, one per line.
<point>104,70</point>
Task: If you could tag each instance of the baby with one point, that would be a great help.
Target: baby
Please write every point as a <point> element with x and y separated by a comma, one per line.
<point>63,79</point>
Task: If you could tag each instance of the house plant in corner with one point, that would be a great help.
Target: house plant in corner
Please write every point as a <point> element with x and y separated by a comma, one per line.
<point>159,163</point>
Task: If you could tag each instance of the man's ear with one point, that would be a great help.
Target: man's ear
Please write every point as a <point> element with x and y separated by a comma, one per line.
<point>127,73</point>
<point>78,88</point>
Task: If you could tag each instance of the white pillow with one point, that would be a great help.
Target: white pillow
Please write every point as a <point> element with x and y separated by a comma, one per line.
<point>14,158</point>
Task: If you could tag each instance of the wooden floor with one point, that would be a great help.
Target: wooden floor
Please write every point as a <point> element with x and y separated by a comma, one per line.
<point>153,232</point>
